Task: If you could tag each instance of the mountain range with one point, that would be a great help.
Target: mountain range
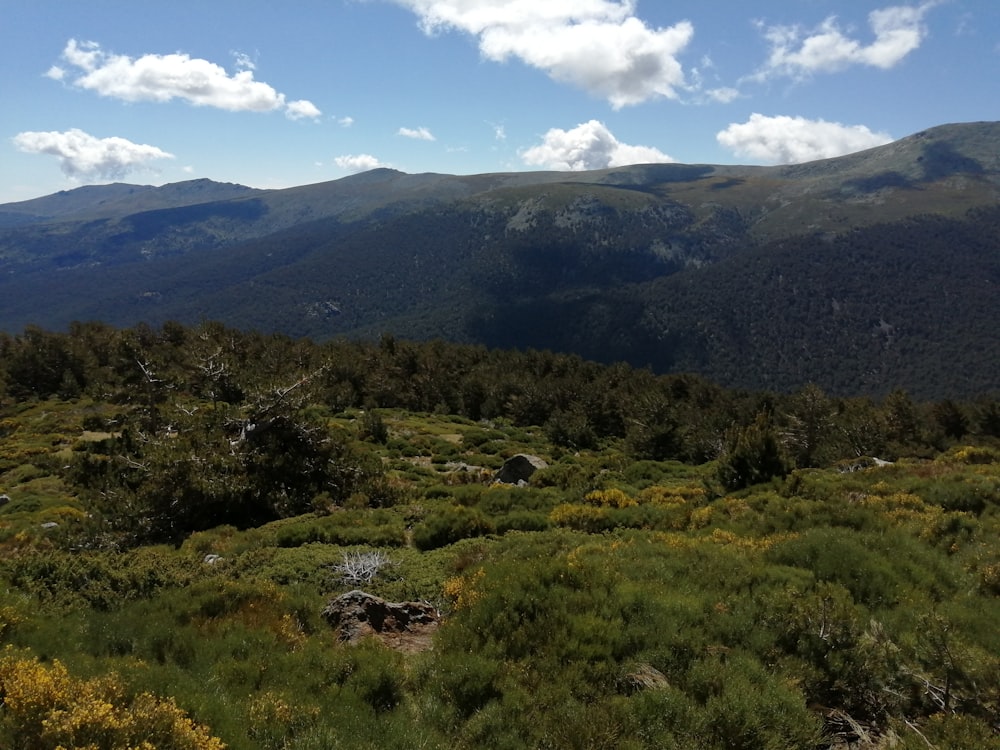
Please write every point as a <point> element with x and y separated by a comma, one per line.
<point>862,274</point>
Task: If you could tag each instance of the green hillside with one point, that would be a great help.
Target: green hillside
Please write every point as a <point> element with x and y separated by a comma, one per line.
<point>183,509</point>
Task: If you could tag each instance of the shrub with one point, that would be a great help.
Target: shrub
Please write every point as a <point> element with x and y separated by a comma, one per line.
<point>749,709</point>
<point>45,708</point>
<point>524,520</point>
<point>972,454</point>
<point>360,568</point>
<point>445,527</point>
<point>346,528</point>
<point>377,677</point>
<point>581,518</point>
<point>464,683</point>
<point>841,556</point>
<point>751,455</point>
<point>373,428</point>
<point>610,498</point>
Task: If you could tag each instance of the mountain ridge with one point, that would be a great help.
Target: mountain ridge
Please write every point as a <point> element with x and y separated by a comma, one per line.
<point>590,262</point>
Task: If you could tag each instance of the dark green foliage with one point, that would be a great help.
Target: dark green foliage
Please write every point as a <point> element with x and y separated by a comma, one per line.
<point>449,525</point>
<point>205,475</point>
<point>571,430</point>
<point>373,428</point>
<point>751,455</point>
<point>345,528</point>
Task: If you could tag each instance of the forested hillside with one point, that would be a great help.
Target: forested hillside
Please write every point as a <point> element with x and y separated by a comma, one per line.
<point>185,511</point>
<point>862,274</point>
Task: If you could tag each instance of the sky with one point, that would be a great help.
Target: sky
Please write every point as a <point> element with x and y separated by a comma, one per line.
<point>276,95</point>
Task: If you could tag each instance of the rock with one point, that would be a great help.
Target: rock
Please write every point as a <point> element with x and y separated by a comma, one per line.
<point>211,559</point>
<point>643,677</point>
<point>518,469</point>
<point>50,525</point>
<point>403,625</point>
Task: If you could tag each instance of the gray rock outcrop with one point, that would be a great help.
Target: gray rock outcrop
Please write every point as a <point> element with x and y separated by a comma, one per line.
<point>356,615</point>
<point>518,469</point>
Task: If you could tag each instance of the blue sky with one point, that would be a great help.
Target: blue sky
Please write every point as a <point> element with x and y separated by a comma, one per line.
<point>279,94</point>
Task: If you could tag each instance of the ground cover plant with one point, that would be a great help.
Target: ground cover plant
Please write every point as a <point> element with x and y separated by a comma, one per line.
<point>689,566</point>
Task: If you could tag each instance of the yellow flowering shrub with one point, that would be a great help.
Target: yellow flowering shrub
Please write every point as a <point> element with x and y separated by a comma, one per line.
<point>9,617</point>
<point>463,591</point>
<point>580,517</point>
<point>610,498</point>
<point>972,454</point>
<point>749,543</point>
<point>701,517</point>
<point>659,495</point>
<point>290,631</point>
<point>274,720</point>
<point>43,707</point>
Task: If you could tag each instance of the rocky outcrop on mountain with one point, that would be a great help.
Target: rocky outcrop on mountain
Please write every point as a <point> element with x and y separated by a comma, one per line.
<point>518,469</point>
<point>405,626</point>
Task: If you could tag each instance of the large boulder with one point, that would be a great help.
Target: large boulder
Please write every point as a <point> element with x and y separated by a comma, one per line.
<point>518,469</point>
<point>404,625</point>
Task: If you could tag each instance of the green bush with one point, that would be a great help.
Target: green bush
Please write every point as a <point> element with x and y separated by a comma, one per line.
<point>840,556</point>
<point>346,528</point>
<point>751,455</point>
<point>524,520</point>
<point>444,527</point>
<point>462,684</point>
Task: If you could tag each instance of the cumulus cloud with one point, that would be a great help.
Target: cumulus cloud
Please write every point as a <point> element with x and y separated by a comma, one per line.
<point>791,140</point>
<point>597,45</point>
<point>358,162</point>
<point>898,30</point>
<point>162,78</point>
<point>82,156</point>
<point>302,109</point>
<point>420,134</point>
<point>589,145</point>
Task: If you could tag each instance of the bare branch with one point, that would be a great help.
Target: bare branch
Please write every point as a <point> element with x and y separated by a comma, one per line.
<point>357,568</point>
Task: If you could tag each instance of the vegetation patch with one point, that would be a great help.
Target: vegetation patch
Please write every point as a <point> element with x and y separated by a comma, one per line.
<point>714,569</point>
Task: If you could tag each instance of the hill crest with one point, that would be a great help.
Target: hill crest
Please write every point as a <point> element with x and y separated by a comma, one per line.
<point>589,262</point>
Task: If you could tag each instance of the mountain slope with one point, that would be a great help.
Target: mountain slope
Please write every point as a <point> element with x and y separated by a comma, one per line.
<point>861,273</point>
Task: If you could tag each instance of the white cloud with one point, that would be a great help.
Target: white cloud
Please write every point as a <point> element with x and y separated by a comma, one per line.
<point>898,30</point>
<point>358,162</point>
<point>82,156</point>
<point>791,140</point>
<point>589,145</point>
<point>597,45</point>
<point>302,109</point>
<point>723,94</point>
<point>420,134</point>
<point>345,122</point>
<point>243,61</point>
<point>162,78</point>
